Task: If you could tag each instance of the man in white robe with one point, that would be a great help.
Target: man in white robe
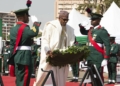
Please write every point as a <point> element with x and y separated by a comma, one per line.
<point>56,35</point>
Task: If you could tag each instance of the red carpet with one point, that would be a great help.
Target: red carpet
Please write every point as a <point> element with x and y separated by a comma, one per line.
<point>10,81</point>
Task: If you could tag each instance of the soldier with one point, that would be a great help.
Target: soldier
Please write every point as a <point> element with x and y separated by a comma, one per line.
<point>75,67</point>
<point>20,46</point>
<point>38,57</point>
<point>98,36</point>
<point>5,55</point>
<point>112,62</point>
<point>34,57</point>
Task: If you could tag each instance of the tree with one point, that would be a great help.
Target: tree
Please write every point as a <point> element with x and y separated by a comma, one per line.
<point>97,6</point>
<point>107,3</point>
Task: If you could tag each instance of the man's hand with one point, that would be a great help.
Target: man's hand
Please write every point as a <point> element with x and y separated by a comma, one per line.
<point>81,27</point>
<point>85,23</point>
<point>104,62</point>
<point>49,53</point>
<point>7,60</point>
<point>34,19</point>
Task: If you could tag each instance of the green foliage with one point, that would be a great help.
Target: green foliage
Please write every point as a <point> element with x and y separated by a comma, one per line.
<point>72,50</point>
<point>108,3</point>
<point>71,55</point>
<point>99,7</point>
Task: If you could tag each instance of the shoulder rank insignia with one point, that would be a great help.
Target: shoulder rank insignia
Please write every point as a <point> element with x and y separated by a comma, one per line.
<point>112,48</point>
<point>94,36</point>
<point>33,29</point>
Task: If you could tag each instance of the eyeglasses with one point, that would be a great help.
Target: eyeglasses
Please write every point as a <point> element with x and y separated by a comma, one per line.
<point>64,19</point>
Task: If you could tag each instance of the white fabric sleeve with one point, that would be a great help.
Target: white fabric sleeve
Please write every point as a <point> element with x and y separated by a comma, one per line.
<point>46,37</point>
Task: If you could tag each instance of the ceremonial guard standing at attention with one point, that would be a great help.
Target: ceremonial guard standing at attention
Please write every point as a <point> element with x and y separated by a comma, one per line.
<point>98,42</point>
<point>112,62</point>
<point>20,46</point>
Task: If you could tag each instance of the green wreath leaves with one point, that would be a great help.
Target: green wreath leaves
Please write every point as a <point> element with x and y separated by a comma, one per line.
<point>71,55</point>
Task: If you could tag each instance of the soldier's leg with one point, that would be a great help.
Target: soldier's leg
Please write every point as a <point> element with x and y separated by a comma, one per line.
<point>33,68</point>
<point>22,75</point>
<point>77,71</point>
<point>113,70</point>
<point>109,72</point>
<point>3,66</point>
<point>6,67</point>
<point>99,70</point>
<point>73,68</point>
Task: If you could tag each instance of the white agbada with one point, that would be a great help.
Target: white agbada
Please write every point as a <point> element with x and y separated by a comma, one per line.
<point>54,37</point>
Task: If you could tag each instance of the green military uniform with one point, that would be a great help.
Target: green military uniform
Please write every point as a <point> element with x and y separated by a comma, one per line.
<point>34,57</point>
<point>112,62</point>
<point>101,37</point>
<point>75,71</point>
<point>22,57</point>
<point>6,55</point>
<point>38,57</point>
<point>75,68</point>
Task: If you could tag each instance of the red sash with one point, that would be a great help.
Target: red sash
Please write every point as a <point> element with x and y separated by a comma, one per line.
<point>96,46</point>
<point>19,35</point>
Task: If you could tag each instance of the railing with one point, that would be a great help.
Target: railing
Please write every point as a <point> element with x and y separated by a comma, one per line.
<point>93,73</point>
<point>52,76</point>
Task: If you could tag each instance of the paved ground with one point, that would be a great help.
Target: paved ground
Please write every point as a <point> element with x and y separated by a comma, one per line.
<point>81,74</point>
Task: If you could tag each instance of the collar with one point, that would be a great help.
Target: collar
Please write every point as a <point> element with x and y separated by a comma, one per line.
<point>98,26</point>
<point>20,22</point>
<point>114,43</point>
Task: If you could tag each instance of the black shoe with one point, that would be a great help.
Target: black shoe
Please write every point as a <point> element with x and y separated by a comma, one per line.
<point>5,74</point>
<point>72,80</point>
<point>32,75</point>
<point>76,80</point>
<point>109,83</point>
<point>112,82</point>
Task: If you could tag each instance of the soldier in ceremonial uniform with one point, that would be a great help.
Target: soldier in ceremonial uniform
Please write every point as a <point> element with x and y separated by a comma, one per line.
<point>98,38</point>
<point>38,57</point>
<point>112,62</point>
<point>6,55</point>
<point>75,67</point>
<point>34,57</point>
<point>20,46</point>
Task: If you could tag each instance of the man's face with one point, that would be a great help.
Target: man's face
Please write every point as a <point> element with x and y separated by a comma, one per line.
<point>63,20</point>
<point>26,18</point>
<point>111,41</point>
<point>95,22</point>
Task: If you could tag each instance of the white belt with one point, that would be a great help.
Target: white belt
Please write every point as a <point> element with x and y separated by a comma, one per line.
<point>5,53</point>
<point>100,45</point>
<point>23,48</point>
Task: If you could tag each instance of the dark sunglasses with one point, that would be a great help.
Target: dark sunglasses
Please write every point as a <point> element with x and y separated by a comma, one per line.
<point>64,19</point>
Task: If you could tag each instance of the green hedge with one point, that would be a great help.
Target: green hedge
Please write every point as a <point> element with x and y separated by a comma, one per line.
<point>81,39</point>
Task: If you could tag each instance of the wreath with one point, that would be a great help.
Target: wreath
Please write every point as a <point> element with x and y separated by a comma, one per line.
<point>71,55</point>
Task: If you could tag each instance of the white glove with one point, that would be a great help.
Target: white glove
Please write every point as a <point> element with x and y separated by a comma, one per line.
<point>104,62</point>
<point>34,19</point>
<point>85,23</point>
<point>7,60</point>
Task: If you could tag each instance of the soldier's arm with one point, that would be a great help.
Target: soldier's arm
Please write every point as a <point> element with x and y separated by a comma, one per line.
<point>115,49</point>
<point>32,32</point>
<point>106,41</point>
<point>83,30</point>
<point>35,48</point>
